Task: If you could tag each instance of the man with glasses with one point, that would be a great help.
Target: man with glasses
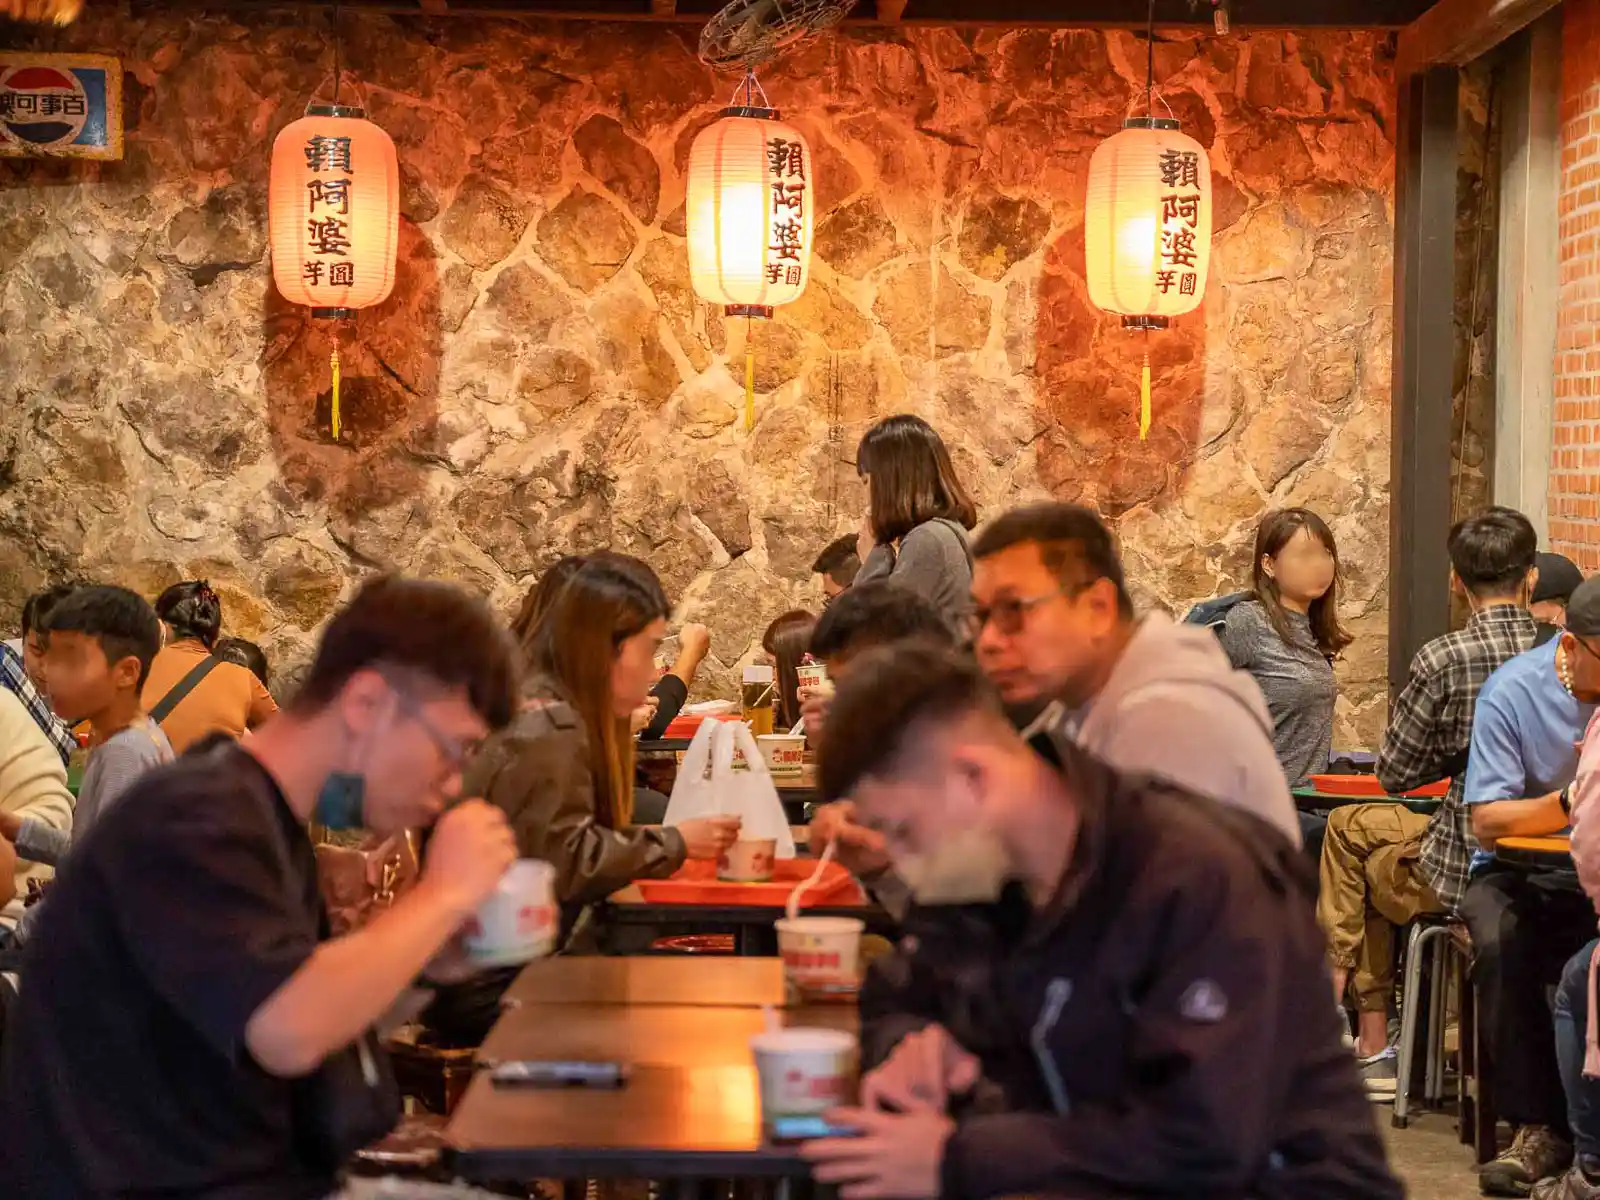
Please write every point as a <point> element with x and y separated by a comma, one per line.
<point>186,1027</point>
<point>1054,630</point>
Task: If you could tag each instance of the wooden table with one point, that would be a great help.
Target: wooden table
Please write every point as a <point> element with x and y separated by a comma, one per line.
<point>651,980</point>
<point>1553,851</point>
<point>690,1109</point>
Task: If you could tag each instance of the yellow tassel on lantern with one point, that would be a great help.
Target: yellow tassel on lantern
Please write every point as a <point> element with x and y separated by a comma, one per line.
<point>749,379</point>
<point>334,363</point>
<point>1144,399</point>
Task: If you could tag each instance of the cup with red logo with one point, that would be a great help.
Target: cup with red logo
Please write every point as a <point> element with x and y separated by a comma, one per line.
<point>517,923</point>
<point>803,1072</point>
<point>821,954</point>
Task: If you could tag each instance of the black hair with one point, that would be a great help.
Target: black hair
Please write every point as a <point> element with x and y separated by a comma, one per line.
<point>192,610</point>
<point>437,630</point>
<point>36,608</point>
<point>120,620</point>
<point>839,560</point>
<point>1072,540</point>
<point>871,614</point>
<point>1493,552</point>
<point>247,654</point>
<point>888,693</point>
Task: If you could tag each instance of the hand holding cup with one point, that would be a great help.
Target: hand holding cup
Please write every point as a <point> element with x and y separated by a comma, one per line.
<point>708,837</point>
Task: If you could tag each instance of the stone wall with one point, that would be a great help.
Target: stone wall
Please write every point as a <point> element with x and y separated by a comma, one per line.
<point>543,380</point>
<point>1477,270</point>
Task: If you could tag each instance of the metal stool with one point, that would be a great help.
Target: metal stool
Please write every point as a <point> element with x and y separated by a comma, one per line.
<point>1433,932</point>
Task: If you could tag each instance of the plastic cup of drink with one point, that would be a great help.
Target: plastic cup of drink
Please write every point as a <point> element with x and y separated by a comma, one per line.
<point>785,753</point>
<point>821,953</point>
<point>748,860</point>
<point>518,922</point>
<point>803,1072</point>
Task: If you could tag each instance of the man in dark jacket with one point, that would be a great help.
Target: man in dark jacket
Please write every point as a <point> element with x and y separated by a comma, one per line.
<point>1109,987</point>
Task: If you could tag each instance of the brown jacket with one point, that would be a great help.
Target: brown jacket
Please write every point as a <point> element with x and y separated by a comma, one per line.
<point>536,770</point>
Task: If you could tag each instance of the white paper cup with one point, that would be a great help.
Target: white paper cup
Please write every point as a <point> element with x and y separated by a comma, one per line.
<point>811,675</point>
<point>518,922</point>
<point>803,1072</point>
<point>748,860</point>
<point>821,952</point>
<point>785,753</point>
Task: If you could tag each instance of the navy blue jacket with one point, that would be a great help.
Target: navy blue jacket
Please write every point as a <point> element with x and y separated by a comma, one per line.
<point>1164,1027</point>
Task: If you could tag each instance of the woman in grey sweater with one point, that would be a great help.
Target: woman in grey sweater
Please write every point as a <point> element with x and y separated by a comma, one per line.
<point>1288,634</point>
<point>915,532</point>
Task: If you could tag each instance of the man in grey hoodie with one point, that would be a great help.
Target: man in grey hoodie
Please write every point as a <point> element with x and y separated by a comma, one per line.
<point>1054,631</point>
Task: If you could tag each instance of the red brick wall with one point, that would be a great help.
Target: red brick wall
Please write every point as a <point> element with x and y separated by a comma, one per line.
<point>1575,465</point>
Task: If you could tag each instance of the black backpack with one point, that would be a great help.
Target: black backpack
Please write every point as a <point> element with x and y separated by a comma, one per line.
<point>1213,614</point>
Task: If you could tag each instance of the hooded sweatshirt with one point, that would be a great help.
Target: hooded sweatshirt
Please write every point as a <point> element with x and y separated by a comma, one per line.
<point>1175,708</point>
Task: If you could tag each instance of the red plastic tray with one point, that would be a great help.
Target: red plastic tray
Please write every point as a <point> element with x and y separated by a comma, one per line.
<point>687,727</point>
<point>697,883</point>
<point>1368,785</point>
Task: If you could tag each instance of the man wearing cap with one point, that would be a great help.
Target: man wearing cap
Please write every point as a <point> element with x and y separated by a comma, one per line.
<point>1526,922</point>
<point>1558,578</point>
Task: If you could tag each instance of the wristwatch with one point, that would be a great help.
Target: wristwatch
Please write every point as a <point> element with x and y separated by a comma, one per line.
<point>1565,798</point>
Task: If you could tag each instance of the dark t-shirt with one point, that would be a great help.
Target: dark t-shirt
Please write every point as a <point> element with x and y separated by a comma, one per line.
<point>125,1069</point>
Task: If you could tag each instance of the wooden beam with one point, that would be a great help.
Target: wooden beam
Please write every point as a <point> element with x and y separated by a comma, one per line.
<point>1424,354</point>
<point>1455,32</point>
<point>1082,14</point>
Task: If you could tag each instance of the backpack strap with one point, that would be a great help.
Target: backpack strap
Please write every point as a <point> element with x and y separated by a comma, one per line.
<point>180,690</point>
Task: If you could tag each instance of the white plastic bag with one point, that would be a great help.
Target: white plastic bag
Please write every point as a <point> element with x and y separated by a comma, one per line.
<point>709,784</point>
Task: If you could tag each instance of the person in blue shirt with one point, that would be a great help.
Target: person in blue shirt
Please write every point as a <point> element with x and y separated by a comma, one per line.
<point>1525,924</point>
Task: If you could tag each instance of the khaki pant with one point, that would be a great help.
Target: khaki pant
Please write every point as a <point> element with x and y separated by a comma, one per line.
<point>1370,884</point>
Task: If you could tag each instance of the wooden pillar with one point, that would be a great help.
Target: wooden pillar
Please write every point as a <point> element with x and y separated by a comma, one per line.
<point>1424,352</point>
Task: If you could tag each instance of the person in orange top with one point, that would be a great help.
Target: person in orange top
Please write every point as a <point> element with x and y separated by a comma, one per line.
<point>190,692</point>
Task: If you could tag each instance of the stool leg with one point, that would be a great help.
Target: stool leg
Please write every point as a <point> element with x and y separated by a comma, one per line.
<point>1409,1016</point>
<point>1436,1042</point>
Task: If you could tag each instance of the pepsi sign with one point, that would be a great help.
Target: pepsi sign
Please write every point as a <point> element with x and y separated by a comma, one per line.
<point>60,106</point>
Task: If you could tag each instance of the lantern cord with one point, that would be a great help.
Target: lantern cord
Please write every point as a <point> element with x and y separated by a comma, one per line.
<point>748,90</point>
<point>1144,391</point>
<point>333,363</point>
<point>1150,62</point>
<point>338,62</point>
<point>749,377</point>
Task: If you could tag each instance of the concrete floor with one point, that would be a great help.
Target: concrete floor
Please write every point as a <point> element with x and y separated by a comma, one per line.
<point>1428,1158</point>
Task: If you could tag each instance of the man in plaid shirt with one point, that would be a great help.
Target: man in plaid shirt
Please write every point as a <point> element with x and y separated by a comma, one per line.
<point>14,678</point>
<point>1382,864</point>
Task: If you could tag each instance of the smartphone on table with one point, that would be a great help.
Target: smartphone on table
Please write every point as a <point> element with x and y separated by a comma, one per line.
<point>553,1074</point>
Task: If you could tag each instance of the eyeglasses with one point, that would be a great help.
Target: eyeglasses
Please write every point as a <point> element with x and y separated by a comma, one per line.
<point>453,750</point>
<point>1590,650</point>
<point>1010,614</point>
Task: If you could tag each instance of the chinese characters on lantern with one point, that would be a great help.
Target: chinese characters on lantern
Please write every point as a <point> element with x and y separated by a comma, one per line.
<point>786,168</point>
<point>1180,218</point>
<point>328,209</point>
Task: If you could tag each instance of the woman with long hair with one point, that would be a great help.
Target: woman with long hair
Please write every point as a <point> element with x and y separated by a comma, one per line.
<point>563,769</point>
<point>190,691</point>
<point>918,515</point>
<point>785,643</point>
<point>1287,635</point>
